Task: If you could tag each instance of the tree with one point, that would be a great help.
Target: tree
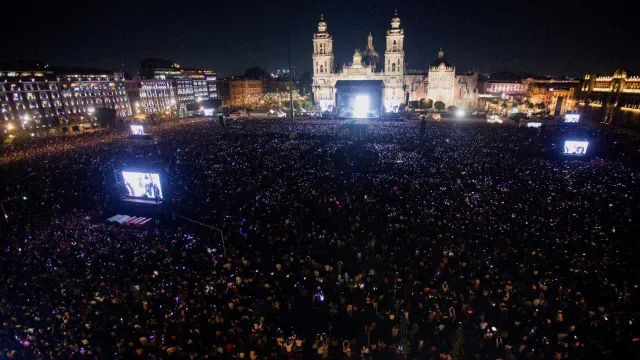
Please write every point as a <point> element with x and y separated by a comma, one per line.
<point>426,103</point>
<point>542,106</point>
<point>402,107</point>
<point>303,104</point>
<point>106,117</point>
<point>193,106</point>
<point>457,350</point>
<point>452,109</point>
<point>529,104</point>
<point>305,80</point>
<point>439,105</point>
<point>415,104</point>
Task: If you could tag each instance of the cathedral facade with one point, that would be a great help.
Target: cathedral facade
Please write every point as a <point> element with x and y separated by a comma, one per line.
<point>439,83</point>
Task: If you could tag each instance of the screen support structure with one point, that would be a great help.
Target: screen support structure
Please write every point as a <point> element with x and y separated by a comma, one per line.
<point>224,248</point>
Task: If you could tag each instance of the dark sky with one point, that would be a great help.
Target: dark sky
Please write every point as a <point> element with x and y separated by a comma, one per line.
<point>544,37</point>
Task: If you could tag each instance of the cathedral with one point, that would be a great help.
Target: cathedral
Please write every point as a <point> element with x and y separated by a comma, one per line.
<point>382,85</point>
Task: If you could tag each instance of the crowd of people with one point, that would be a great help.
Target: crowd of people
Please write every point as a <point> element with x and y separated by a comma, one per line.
<point>448,242</point>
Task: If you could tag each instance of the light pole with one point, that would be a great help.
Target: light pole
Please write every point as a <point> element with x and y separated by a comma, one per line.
<point>292,134</point>
<point>173,106</point>
<point>224,248</point>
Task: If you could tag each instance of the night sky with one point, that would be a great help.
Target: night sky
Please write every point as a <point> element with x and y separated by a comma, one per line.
<point>542,37</point>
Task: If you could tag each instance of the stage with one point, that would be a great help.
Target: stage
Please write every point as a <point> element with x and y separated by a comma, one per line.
<point>359,98</point>
<point>142,201</point>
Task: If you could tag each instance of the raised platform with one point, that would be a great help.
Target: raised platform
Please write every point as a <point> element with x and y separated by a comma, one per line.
<point>142,201</point>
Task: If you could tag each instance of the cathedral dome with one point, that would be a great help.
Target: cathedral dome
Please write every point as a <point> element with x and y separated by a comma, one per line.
<point>370,56</point>
<point>440,60</point>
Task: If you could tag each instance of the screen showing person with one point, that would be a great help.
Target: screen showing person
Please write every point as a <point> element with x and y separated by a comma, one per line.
<point>534,124</point>
<point>142,185</point>
<point>571,118</point>
<point>578,148</point>
<point>137,129</point>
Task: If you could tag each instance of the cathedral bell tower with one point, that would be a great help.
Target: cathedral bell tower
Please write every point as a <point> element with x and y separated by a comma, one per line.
<point>322,50</point>
<point>394,55</point>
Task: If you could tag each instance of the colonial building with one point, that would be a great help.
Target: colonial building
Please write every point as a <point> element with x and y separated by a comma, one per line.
<point>156,97</point>
<point>44,97</point>
<point>240,91</point>
<point>611,98</point>
<point>398,86</point>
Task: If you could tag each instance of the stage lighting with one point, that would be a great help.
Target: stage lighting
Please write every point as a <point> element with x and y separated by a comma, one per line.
<point>460,113</point>
<point>361,106</point>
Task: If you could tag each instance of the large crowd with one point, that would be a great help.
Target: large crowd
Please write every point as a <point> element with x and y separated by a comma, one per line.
<point>449,241</point>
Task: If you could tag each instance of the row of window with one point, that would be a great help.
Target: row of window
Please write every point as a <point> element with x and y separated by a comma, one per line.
<point>158,93</point>
<point>155,102</point>
<point>28,86</point>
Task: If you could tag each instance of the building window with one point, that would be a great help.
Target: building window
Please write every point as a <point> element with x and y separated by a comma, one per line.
<point>393,67</point>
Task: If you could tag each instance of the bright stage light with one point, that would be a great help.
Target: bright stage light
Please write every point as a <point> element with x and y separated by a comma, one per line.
<point>461,113</point>
<point>361,106</point>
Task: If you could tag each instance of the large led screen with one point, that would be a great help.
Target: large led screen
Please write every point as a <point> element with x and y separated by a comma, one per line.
<point>571,118</point>
<point>142,185</point>
<point>137,130</point>
<point>577,148</point>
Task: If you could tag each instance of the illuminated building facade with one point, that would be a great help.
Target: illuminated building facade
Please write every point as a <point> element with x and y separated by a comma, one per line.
<point>514,88</point>
<point>42,98</point>
<point>204,83</point>
<point>159,69</point>
<point>212,85</point>
<point>185,91</point>
<point>191,85</point>
<point>82,93</point>
<point>612,98</point>
<point>558,95</point>
<point>156,97</point>
<point>29,99</point>
<point>398,85</point>
<point>238,91</point>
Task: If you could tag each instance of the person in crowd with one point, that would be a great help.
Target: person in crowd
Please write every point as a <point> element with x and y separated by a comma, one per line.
<point>474,242</point>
